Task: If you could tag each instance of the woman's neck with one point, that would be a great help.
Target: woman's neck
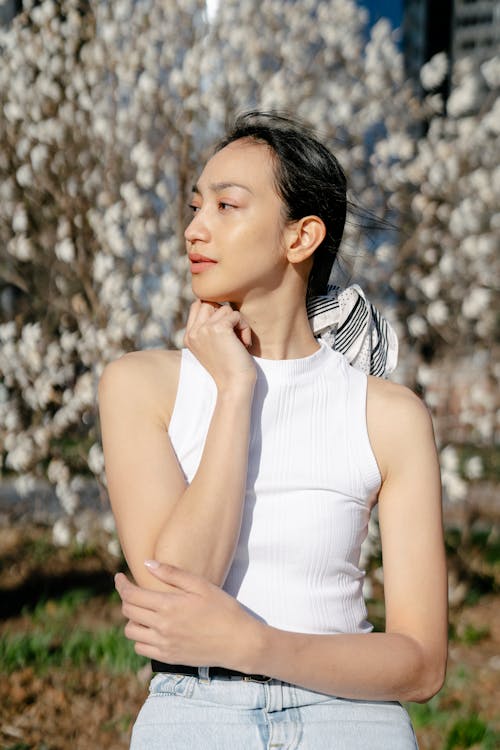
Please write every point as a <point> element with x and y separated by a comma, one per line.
<point>280,327</point>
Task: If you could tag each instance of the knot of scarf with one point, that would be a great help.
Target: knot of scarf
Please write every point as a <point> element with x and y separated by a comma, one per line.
<point>351,325</point>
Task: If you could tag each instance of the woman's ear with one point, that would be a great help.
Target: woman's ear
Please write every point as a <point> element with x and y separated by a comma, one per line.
<point>303,237</point>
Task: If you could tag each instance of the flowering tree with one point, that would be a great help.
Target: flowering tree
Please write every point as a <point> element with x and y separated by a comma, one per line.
<point>109,109</point>
<point>96,148</point>
<point>445,189</point>
<point>313,59</point>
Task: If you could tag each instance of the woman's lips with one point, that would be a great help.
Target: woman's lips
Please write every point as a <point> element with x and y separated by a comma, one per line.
<point>199,263</point>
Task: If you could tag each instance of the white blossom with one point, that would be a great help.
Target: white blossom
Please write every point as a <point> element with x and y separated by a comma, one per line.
<point>61,533</point>
<point>108,523</point>
<point>449,459</point>
<point>20,219</point>
<point>67,497</point>
<point>65,250</point>
<point>24,175</point>
<point>114,548</point>
<point>454,486</point>
<point>476,302</point>
<point>24,484</point>
<point>473,467</point>
<point>491,72</point>
<point>20,454</point>
<point>96,459</point>
<point>7,331</point>
<point>58,472</point>
<point>20,247</point>
<point>433,72</point>
<point>437,312</point>
<point>430,285</point>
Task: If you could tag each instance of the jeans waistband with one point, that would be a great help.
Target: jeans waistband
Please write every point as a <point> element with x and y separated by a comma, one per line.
<point>207,672</point>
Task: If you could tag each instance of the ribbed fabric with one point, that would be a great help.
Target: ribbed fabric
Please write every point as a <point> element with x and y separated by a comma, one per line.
<point>311,483</point>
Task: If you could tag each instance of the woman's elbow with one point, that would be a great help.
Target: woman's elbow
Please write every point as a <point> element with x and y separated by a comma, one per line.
<point>433,684</point>
<point>429,683</point>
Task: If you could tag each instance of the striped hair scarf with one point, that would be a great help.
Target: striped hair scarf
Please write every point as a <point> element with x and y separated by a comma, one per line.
<point>351,325</point>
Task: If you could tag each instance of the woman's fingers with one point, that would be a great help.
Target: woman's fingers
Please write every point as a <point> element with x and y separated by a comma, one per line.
<point>199,312</point>
<point>209,319</point>
<point>193,313</point>
<point>139,615</point>
<point>140,597</point>
<point>205,311</point>
<point>245,332</point>
<point>210,312</point>
<point>176,577</point>
<point>219,337</point>
<point>234,319</point>
<point>136,632</point>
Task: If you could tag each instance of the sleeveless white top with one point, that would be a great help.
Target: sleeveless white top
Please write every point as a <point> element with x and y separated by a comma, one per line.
<point>311,483</point>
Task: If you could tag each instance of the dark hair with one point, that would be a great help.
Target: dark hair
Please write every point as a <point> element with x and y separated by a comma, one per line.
<point>309,180</point>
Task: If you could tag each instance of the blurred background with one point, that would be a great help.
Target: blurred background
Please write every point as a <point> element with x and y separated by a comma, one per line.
<point>108,111</point>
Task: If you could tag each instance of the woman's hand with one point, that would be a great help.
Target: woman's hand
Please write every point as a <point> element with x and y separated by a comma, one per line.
<point>219,336</point>
<point>194,622</point>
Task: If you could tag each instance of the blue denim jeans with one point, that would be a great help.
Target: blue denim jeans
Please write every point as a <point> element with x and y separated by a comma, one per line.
<point>197,713</point>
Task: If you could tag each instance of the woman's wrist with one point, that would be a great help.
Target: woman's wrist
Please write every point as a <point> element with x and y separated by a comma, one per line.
<point>254,643</point>
<point>237,389</point>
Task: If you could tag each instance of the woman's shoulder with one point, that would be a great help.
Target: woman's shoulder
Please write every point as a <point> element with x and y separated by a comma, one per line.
<point>148,377</point>
<point>393,399</point>
<point>398,421</point>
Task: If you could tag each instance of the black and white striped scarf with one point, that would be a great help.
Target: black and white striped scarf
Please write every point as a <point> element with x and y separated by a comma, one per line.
<point>351,325</point>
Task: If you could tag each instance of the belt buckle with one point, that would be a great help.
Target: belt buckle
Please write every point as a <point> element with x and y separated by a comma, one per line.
<point>256,678</point>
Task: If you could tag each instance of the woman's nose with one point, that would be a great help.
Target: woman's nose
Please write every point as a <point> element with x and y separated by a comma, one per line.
<point>197,228</point>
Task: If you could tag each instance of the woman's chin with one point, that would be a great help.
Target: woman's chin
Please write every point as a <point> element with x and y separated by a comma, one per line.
<point>206,294</point>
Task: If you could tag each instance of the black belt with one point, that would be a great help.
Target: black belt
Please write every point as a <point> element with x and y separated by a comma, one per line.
<point>159,666</point>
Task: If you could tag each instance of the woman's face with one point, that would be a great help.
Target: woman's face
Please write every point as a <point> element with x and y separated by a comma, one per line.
<point>237,225</point>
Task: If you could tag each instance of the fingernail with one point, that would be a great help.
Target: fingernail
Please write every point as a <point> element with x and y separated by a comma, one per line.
<point>152,564</point>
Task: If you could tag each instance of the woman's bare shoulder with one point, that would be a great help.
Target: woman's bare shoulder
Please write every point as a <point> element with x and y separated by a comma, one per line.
<point>147,377</point>
<point>386,394</point>
<point>397,420</point>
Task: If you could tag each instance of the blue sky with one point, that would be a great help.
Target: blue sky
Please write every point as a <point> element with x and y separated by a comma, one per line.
<point>392,9</point>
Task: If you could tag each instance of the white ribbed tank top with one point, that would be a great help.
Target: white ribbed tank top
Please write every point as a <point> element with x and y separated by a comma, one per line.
<point>311,483</point>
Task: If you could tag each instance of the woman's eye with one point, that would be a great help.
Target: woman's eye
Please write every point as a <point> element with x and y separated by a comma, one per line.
<point>222,205</point>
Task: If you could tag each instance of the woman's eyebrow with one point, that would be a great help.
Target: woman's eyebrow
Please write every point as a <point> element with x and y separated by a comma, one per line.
<point>216,187</point>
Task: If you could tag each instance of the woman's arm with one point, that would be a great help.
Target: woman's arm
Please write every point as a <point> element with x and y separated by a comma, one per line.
<point>158,514</point>
<point>407,662</point>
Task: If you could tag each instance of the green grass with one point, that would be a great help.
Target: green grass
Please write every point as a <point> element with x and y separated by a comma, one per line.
<point>43,649</point>
<point>39,550</point>
<point>427,714</point>
<point>468,731</point>
<point>473,635</point>
<point>458,725</point>
<point>458,731</point>
<point>469,635</point>
<point>42,550</point>
<point>53,640</point>
<point>50,612</point>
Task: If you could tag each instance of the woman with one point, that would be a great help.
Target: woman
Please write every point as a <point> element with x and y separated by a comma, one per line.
<point>242,472</point>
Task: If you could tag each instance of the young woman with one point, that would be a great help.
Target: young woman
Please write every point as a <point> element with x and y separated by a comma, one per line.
<point>242,471</point>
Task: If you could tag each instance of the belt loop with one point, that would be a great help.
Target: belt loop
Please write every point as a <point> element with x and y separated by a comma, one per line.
<point>204,674</point>
<point>274,696</point>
